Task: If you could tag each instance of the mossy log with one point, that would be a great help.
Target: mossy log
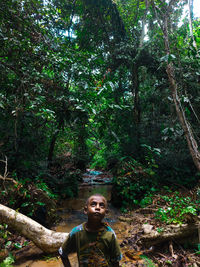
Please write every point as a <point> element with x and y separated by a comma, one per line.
<point>47,240</point>
<point>180,233</point>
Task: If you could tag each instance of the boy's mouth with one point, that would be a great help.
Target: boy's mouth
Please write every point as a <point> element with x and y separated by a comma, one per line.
<point>97,214</point>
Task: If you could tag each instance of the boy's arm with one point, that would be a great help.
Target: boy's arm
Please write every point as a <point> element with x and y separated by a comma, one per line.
<point>66,249</point>
<point>65,261</point>
<point>116,254</point>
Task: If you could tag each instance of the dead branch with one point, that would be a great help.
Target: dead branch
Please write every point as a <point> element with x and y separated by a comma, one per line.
<point>5,175</point>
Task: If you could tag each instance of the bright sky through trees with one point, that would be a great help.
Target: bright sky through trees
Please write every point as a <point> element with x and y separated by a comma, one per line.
<point>196,8</point>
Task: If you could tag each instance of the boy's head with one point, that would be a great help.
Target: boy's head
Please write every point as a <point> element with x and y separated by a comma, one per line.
<point>96,207</point>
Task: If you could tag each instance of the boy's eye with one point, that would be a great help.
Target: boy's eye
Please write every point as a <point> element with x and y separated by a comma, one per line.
<point>93,204</point>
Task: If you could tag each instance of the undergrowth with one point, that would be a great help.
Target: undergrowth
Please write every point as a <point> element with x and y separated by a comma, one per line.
<point>176,208</point>
<point>8,261</point>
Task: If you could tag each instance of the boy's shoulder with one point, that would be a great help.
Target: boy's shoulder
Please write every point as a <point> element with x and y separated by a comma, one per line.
<point>81,228</point>
<point>77,229</point>
<point>109,229</point>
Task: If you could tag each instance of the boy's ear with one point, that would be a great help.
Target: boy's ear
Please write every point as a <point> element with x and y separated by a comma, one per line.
<point>85,209</point>
<point>107,211</point>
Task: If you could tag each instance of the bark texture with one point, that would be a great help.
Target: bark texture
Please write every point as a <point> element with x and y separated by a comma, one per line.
<point>47,240</point>
<point>170,233</point>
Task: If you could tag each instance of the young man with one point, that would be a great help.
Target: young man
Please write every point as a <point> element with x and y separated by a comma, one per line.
<point>94,241</point>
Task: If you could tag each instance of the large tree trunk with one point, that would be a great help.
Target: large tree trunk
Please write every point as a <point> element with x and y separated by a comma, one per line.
<point>47,240</point>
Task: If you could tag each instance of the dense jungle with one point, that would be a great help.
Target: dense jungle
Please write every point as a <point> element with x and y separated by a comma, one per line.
<point>109,88</point>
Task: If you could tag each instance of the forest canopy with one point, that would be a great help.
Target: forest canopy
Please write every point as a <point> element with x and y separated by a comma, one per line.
<point>101,84</point>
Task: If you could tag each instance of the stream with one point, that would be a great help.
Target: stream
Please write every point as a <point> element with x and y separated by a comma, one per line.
<point>71,212</point>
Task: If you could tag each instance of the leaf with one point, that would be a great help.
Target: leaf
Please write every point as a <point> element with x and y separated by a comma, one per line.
<point>40,203</point>
<point>8,244</point>
<point>1,105</point>
<point>165,58</point>
<point>8,261</point>
<point>133,255</point>
<point>17,245</point>
<point>99,92</point>
<point>25,204</point>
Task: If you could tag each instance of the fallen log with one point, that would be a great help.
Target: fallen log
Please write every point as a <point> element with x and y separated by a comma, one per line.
<point>182,232</point>
<point>47,240</point>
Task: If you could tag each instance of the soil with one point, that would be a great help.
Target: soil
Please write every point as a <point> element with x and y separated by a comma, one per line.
<point>172,253</point>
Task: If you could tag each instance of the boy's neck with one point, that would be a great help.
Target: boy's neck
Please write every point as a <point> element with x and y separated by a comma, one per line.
<point>93,226</point>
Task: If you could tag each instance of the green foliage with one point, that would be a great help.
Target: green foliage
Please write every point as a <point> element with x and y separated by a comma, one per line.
<point>198,249</point>
<point>149,154</point>
<point>98,161</point>
<point>29,198</point>
<point>103,156</point>
<point>4,233</point>
<point>30,201</point>
<point>148,198</point>
<point>8,261</point>
<point>7,243</point>
<point>159,229</point>
<point>79,79</point>
<point>68,185</point>
<point>176,208</point>
<point>131,181</point>
<point>40,184</point>
<point>148,262</point>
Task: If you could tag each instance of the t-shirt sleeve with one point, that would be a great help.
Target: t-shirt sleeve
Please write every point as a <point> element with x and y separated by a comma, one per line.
<point>68,246</point>
<point>116,255</point>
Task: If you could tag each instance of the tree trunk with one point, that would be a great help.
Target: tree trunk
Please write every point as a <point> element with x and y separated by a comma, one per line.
<point>190,16</point>
<point>53,142</point>
<point>192,144</point>
<point>47,240</point>
<point>136,109</point>
<point>135,91</point>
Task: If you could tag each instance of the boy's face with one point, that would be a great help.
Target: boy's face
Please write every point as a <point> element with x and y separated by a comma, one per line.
<point>96,208</point>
